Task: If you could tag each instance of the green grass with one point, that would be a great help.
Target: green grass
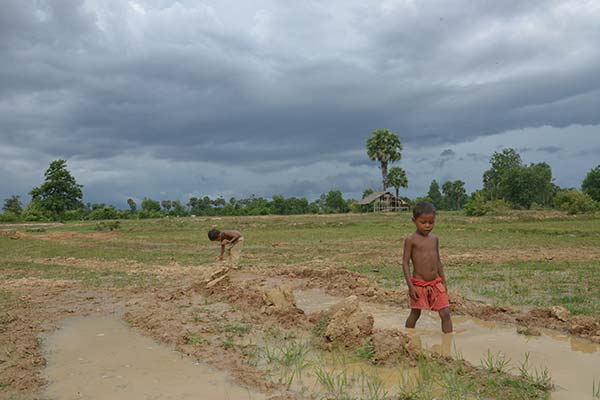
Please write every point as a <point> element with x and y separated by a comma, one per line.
<point>88,276</point>
<point>367,243</point>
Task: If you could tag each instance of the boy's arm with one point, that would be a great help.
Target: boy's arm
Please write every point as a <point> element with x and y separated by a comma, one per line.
<point>440,268</point>
<point>406,268</point>
<point>223,243</point>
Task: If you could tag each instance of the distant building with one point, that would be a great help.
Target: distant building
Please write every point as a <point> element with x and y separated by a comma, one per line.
<point>384,202</point>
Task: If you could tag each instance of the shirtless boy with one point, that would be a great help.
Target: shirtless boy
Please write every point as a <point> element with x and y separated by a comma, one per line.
<point>427,286</point>
<point>232,240</point>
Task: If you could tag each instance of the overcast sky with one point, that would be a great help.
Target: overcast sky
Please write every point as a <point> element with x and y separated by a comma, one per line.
<point>190,98</point>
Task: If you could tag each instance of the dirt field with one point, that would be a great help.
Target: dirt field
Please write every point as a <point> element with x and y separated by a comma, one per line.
<point>284,325</point>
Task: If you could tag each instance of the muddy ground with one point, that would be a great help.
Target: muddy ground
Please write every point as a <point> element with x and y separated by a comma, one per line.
<point>198,309</point>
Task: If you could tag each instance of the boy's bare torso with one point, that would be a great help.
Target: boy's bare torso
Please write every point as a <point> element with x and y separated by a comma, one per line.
<point>424,256</point>
<point>230,236</point>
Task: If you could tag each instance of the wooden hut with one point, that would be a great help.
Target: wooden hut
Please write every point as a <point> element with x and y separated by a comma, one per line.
<point>384,202</point>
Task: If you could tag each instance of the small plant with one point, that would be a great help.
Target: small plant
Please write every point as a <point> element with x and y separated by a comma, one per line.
<point>496,363</point>
<point>237,329</point>
<point>367,350</point>
<point>596,389</point>
<point>375,390</point>
<point>542,379</point>
<point>321,326</point>
<point>192,338</point>
<point>334,384</point>
<point>228,343</point>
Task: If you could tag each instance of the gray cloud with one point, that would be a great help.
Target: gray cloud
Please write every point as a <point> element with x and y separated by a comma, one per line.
<point>549,149</point>
<point>445,156</point>
<point>267,86</point>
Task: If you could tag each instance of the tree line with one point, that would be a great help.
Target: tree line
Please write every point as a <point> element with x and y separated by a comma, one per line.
<point>507,184</point>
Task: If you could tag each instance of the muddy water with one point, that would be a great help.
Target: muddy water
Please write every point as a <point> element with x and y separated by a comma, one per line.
<point>100,358</point>
<point>574,363</point>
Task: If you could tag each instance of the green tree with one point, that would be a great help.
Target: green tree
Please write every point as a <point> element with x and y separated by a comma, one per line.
<point>524,185</point>
<point>455,194</point>
<point>59,193</point>
<point>132,205</point>
<point>385,147</point>
<point>501,164</point>
<point>591,183</point>
<point>396,178</point>
<point>166,204</point>
<point>178,209</point>
<point>435,195</point>
<point>367,192</point>
<point>150,206</point>
<point>13,205</point>
<point>335,203</point>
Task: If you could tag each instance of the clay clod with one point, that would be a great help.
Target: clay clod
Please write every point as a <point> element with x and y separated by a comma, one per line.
<point>348,324</point>
<point>280,300</point>
<point>560,313</point>
<point>583,325</point>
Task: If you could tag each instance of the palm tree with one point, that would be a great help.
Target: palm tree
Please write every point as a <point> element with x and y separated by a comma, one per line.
<point>397,179</point>
<point>385,147</point>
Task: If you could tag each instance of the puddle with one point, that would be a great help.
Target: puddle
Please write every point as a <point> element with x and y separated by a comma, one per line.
<point>574,363</point>
<point>99,357</point>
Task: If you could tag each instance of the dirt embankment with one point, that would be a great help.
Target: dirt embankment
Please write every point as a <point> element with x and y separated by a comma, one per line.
<point>341,282</point>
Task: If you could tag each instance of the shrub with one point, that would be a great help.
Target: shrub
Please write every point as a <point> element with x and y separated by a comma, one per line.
<point>574,202</point>
<point>34,213</point>
<point>9,217</point>
<point>108,226</point>
<point>478,206</point>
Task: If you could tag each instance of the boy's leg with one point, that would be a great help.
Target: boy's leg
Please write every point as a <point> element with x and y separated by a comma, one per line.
<point>446,320</point>
<point>414,315</point>
<point>236,252</point>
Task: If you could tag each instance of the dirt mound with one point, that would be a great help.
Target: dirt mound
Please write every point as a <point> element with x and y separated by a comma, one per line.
<point>348,324</point>
<point>280,300</point>
<point>584,326</point>
<point>391,345</point>
<point>461,305</point>
<point>341,282</point>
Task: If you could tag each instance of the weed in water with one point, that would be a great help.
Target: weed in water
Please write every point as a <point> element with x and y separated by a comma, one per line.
<point>335,384</point>
<point>539,378</point>
<point>496,363</point>
<point>375,389</point>
<point>596,389</point>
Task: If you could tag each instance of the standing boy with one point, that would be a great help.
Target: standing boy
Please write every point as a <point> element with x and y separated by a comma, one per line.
<point>427,286</point>
<point>233,241</point>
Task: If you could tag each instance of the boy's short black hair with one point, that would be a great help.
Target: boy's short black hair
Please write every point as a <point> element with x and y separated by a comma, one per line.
<point>423,207</point>
<point>213,234</point>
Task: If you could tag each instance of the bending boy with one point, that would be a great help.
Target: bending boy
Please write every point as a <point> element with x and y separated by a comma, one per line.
<point>233,241</point>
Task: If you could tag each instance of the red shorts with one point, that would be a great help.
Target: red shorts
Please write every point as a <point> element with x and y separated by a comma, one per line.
<point>432,295</point>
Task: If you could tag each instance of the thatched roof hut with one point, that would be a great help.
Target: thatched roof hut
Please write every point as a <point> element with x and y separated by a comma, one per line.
<point>384,201</point>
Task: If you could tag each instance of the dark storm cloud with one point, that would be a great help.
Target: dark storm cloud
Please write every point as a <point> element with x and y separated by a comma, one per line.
<point>445,156</point>
<point>266,86</point>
